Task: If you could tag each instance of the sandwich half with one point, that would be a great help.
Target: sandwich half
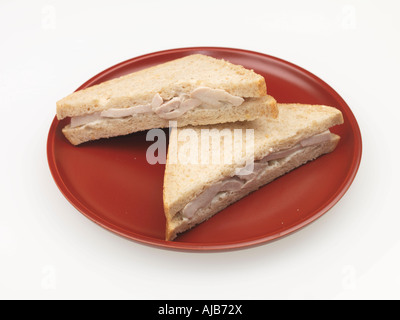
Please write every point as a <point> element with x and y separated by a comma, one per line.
<point>196,186</point>
<point>193,90</point>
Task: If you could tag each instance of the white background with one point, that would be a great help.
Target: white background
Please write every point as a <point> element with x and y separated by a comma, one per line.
<point>50,251</point>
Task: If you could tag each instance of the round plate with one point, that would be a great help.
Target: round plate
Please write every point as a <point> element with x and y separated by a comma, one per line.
<point>111,183</point>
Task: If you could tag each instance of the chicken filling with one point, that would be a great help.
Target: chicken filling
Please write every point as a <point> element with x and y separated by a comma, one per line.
<point>169,110</point>
<point>247,179</point>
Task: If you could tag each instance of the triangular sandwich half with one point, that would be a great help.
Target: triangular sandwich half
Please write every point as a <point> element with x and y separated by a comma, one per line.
<point>193,90</point>
<point>196,186</point>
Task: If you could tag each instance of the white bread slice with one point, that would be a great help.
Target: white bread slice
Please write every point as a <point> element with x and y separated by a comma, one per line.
<point>168,79</point>
<point>185,182</point>
<point>251,109</point>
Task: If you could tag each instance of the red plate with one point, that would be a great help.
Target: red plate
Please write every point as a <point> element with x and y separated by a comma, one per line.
<point>111,183</point>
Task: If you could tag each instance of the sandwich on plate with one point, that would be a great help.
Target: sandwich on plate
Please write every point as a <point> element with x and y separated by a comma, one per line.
<point>196,187</point>
<point>193,90</point>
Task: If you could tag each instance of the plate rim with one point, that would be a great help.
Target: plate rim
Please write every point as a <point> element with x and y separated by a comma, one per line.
<point>217,246</point>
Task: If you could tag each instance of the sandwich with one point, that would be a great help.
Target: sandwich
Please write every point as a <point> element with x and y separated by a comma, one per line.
<point>193,90</point>
<point>196,187</point>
